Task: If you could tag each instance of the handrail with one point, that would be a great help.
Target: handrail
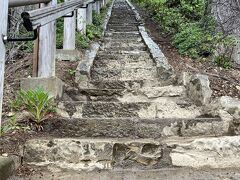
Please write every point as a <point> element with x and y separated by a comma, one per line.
<point>17,3</point>
<point>39,17</point>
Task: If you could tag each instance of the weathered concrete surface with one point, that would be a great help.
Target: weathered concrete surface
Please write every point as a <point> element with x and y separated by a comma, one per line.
<point>166,108</point>
<point>6,167</point>
<point>90,154</point>
<point>68,55</point>
<point>124,74</point>
<point>136,128</point>
<point>145,94</point>
<point>221,152</point>
<point>133,174</point>
<point>165,71</point>
<point>52,85</point>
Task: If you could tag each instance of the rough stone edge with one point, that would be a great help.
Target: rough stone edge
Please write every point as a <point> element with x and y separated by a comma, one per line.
<point>84,67</point>
<point>7,166</point>
<point>68,55</point>
<point>53,85</point>
<point>107,17</point>
<point>165,70</point>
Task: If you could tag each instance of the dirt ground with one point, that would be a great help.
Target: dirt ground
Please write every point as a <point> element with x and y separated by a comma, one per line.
<point>223,82</point>
<point>22,68</point>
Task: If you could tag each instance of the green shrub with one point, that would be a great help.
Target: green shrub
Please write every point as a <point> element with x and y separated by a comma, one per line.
<point>94,31</point>
<point>97,19</point>
<point>59,31</point>
<point>12,125</point>
<point>223,61</point>
<point>82,41</point>
<point>189,22</point>
<point>193,41</point>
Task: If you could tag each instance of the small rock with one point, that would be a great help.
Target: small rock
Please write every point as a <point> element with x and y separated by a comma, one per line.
<point>238,88</point>
<point>5,154</point>
<point>198,89</point>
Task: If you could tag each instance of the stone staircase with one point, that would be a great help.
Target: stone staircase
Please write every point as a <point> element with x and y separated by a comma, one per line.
<point>126,115</point>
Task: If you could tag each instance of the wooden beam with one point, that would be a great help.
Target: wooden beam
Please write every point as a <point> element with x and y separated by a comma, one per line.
<point>89,14</point>
<point>69,32</point>
<point>17,3</point>
<point>35,58</point>
<point>3,31</point>
<point>47,47</point>
<point>82,20</point>
<point>40,17</point>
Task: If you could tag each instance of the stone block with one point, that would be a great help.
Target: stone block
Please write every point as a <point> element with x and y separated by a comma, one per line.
<point>198,89</point>
<point>68,55</point>
<point>52,85</point>
<point>219,152</point>
<point>6,167</point>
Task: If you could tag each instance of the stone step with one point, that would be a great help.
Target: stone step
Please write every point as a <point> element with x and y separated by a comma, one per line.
<point>124,74</point>
<point>114,64</point>
<point>131,40</point>
<point>173,173</point>
<point>164,108</point>
<point>125,84</point>
<point>136,128</point>
<point>114,153</point>
<point>124,47</point>
<point>145,94</point>
<point>122,22</point>
<point>122,28</point>
<point>129,46</point>
<point>123,35</point>
<point>125,56</point>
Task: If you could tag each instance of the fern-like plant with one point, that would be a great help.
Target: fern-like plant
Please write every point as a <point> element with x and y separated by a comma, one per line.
<point>37,102</point>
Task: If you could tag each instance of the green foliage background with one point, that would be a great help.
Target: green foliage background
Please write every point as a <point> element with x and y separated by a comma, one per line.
<point>191,25</point>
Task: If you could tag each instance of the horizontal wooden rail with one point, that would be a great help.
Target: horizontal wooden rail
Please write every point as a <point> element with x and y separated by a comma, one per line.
<point>17,3</point>
<point>40,17</point>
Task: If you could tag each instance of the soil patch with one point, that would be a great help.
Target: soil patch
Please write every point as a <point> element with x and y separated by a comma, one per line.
<point>22,68</point>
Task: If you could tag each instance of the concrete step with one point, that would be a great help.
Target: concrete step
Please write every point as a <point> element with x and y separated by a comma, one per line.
<point>175,173</point>
<point>136,128</point>
<point>114,64</point>
<point>164,108</point>
<point>131,40</point>
<point>125,84</point>
<point>122,28</point>
<point>123,35</point>
<point>126,44</point>
<point>145,94</point>
<point>124,47</point>
<point>122,22</point>
<point>125,56</point>
<point>113,153</point>
<point>124,74</point>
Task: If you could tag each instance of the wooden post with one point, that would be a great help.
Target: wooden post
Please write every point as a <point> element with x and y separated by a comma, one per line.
<point>3,31</point>
<point>47,47</point>
<point>94,6</point>
<point>89,14</point>
<point>98,7</point>
<point>82,20</point>
<point>69,32</point>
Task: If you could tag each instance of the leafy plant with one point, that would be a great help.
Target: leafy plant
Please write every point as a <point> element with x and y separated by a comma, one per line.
<point>71,72</point>
<point>37,103</point>
<point>12,125</point>
<point>223,61</point>
<point>191,25</point>
<point>82,41</point>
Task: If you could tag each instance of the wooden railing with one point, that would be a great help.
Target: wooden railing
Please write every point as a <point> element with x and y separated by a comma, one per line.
<point>43,22</point>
